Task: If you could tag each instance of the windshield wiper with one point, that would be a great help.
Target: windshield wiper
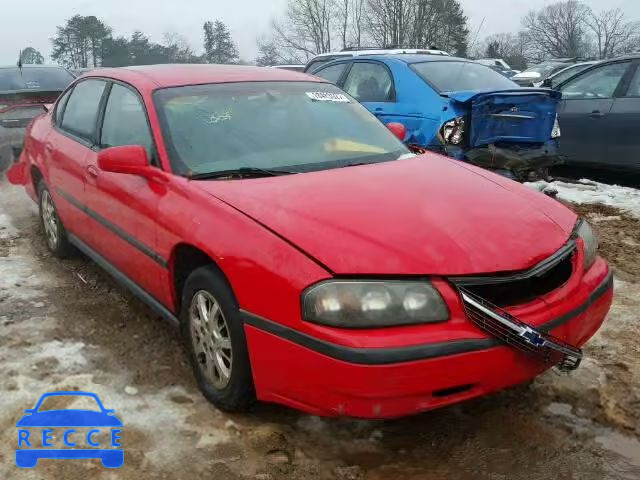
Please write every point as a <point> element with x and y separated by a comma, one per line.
<point>241,172</point>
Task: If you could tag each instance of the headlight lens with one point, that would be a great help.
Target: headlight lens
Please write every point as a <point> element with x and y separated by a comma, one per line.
<point>555,132</point>
<point>372,304</point>
<point>583,230</point>
<point>453,131</point>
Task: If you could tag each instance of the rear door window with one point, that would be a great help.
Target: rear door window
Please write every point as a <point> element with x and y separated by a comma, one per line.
<point>81,112</point>
<point>369,82</point>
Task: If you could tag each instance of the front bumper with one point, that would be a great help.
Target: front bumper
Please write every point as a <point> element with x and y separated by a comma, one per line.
<point>323,378</point>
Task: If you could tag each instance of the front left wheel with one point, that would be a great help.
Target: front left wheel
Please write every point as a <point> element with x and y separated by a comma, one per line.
<point>214,337</point>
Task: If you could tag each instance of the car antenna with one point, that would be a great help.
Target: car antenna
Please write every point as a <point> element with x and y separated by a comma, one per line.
<point>20,62</point>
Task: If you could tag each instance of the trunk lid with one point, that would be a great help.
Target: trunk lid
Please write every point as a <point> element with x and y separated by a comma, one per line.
<point>522,115</point>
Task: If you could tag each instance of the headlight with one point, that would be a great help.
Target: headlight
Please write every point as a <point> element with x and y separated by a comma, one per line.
<point>453,131</point>
<point>583,230</point>
<point>372,304</point>
<point>555,132</point>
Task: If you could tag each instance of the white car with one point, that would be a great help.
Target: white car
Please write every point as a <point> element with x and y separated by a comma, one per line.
<point>494,62</point>
<point>323,58</point>
<point>537,74</point>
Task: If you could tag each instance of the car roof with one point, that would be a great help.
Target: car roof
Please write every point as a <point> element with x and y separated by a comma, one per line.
<point>413,58</point>
<point>380,51</point>
<point>168,75</point>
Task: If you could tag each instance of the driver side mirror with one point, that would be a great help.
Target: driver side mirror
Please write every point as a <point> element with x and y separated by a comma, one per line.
<point>547,83</point>
<point>398,129</point>
<point>129,159</point>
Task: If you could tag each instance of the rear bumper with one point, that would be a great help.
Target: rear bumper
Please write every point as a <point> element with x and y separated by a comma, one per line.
<point>313,375</point>
<point>10,143</point>
<point>517,158</point>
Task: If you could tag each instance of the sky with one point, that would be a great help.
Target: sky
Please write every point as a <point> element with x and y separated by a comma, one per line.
<point>33,23</point>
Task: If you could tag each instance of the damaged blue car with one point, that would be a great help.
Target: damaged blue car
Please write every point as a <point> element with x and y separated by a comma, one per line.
<point>457,107</point>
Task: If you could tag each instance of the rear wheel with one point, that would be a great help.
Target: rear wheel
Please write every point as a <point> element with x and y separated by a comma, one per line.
<point>54,231</point>
<point>214,338</point>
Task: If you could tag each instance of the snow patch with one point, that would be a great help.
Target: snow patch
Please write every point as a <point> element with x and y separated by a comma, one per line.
<point>588,191</point>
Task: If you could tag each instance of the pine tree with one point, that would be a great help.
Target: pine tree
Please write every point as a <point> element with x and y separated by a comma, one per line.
<point>219,47</point>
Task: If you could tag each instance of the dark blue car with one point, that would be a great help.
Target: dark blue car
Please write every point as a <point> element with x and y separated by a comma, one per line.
<point>36,431</point>
<point>457,107</point>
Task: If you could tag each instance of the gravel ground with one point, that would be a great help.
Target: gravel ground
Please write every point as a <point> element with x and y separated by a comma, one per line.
<point>65,325</point>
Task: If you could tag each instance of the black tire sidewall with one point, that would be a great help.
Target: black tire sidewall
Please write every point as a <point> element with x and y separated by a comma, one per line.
<point>238,394</point>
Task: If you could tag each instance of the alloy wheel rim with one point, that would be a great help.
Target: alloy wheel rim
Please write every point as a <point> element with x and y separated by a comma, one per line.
<point>211,339</point>
<point>49,219</point>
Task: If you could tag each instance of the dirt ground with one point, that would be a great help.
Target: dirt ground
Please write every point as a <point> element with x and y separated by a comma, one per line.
<point>66,325</point>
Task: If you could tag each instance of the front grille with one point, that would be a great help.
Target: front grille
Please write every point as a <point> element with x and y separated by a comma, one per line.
<point>521,287</point>
<point>515,333</point>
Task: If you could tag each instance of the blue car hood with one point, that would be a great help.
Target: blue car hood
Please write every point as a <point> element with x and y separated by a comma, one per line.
<point>69,418</point>
<point>518,115</point>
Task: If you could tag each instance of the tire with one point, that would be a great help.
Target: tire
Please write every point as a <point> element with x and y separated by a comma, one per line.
<point>207,341</point>
<point>52,227</point>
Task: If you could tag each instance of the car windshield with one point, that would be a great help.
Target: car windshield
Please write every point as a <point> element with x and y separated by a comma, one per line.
<point>34,78</point>
<point>65,402</point>
<point>546,68</point>
<point>459,76</point>
<point>288,126</point>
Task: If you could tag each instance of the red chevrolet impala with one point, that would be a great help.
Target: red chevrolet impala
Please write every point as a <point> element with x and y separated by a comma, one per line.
<point>307,256</point>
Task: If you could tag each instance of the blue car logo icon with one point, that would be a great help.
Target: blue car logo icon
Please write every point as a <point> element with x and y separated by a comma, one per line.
<point>35,433</point>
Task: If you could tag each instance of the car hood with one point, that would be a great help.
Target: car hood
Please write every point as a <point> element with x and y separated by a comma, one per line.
<point>69,418</point>
<point>422,215</point>
<point>528,76</point>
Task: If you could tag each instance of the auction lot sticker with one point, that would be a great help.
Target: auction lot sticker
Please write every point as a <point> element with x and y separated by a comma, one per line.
<point>328,97</point>
<point>49,431</point>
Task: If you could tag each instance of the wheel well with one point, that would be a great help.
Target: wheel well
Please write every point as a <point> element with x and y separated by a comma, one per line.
<point>36,176</point>
<point>186,258</point>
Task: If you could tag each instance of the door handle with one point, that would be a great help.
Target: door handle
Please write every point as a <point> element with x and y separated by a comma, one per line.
<point>92,171</point>
<point>379,110</point>
<point>48,149</point>
<point>596,114</point>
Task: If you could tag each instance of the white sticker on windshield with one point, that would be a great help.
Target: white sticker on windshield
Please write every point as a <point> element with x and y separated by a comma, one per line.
<point>328,97</point>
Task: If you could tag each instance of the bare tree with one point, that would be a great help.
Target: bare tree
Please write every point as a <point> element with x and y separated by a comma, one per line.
<point>559,29</point>
<point>419,23</point>
<point>389,21</point>
<point>511,47</point>
<point>613,34</point>
<point>358,17</point>
<point>307,27</point>
<point>314,26</point>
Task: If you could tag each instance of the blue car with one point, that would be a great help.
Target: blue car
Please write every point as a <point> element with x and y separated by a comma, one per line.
<point>457,107</point>
<point>36,431</point>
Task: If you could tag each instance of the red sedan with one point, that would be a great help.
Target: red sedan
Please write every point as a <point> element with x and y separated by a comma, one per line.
<point>308,257</point>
